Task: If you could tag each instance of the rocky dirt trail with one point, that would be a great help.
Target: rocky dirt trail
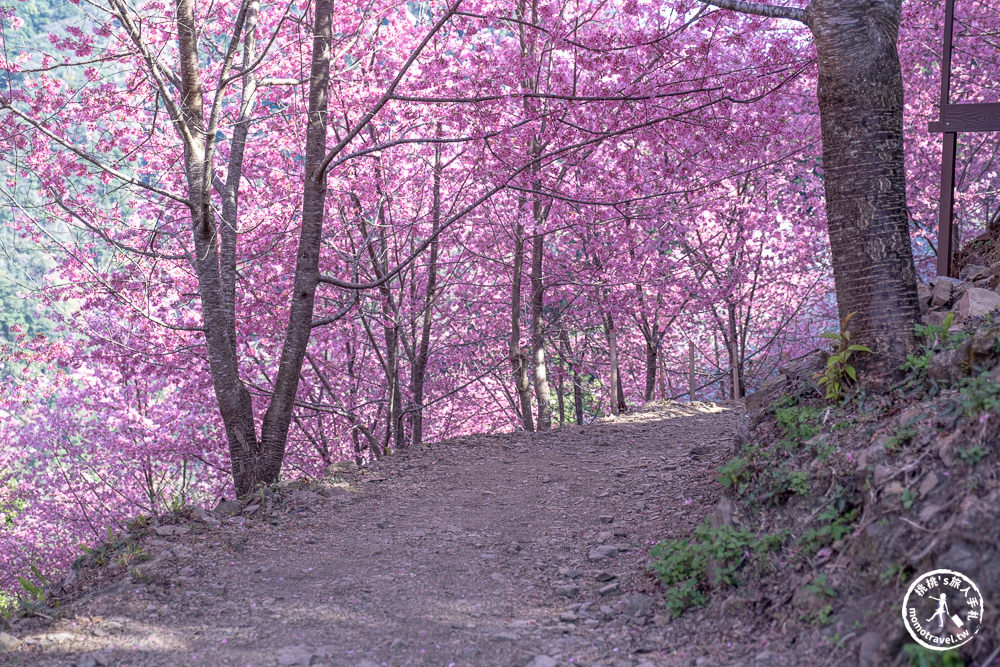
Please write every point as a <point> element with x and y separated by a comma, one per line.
<point>514,550</point>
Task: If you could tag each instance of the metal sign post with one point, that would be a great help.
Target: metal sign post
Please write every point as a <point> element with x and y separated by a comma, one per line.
<point>955,118</point>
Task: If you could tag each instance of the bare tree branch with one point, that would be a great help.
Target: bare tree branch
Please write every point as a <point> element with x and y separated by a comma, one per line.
<point>760,9</point>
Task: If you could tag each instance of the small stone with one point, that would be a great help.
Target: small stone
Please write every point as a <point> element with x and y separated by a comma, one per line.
<point>722,515</point>
<point>250,509</point>
<point>8,642</point>
<point>609,589</point>
<point>928,512</point>
<point>607,612</point>
<point>164,531</point>
<point>568,617</point>
<point>567,590</point>
<point>203,516</point>
<point>303,497</point>
<point>604,576</point>
<point>339,466</point>
<point>977,302</point>
<point>946,365</point>
<point>292,484</point>
<point>542,661</point>
<point>882,474</point>
<point>637,605</point>
<point>869,647</point>
<point>943,287</point>
<point>333,491</point>
<point>497,577</point>
<point>606,519</point>
<point>603,551</point>
<point>227,508</point>
<point>295,655</point>
<point>928,483</point>
<point>605,535</point>
<point>924,293</point>
<point>973,272</point>
<point>894,488</point>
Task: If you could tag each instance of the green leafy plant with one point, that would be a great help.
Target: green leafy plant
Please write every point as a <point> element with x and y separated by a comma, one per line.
<point>825,451</point>
<point>711,557</point>
<point>918,656</point>
<point>798,423</point>
<point>979,394</point>
<point>935,334</point>
<point>972,455</point>
<point>823,615</point>
<point>839,372</point>
<point>820,586</point>
<point>902,437</point>
<point>131,555</point>
<point>833,523</point>
<point>908,497</point>
<point>894,573</point>
<point>933,338</point>
<point>735,474</point>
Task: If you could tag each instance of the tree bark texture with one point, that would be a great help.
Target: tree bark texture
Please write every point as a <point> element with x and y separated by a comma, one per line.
<point>419,369</point>
<point>274,429</point>
<point>615,384</point>
<point>543,394</point>
<point>235,404</point>
<point>860,92</point>
<point>518,357</point>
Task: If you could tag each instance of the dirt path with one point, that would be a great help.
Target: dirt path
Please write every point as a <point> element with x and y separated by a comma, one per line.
<point>501,550</point>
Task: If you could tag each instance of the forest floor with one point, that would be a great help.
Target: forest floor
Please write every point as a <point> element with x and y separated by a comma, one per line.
<point>517,549</point>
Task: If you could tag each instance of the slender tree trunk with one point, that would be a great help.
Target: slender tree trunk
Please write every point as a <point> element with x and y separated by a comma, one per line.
<point>274,429</point>
<point>615,384</point>
<point>419,369</point>
<point>518,357</point>
<point>393,420</point>
<point>622,405</point>
<point>652,355</point>
<point>577,398</point>
<point>860,92</point>
<point>561,396</point>
<point>543,394</point>
<point>735,362</point>
<point>574,376</point>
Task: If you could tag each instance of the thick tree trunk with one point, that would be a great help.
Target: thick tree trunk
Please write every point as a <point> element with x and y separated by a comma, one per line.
<point>235,404</point>
<point>518,357</point>
<point>860,93</point>
<point>543,394</point>
<point>652,354</point>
